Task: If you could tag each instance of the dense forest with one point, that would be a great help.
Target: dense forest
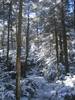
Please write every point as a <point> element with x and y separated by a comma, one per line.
<point>37,49</point>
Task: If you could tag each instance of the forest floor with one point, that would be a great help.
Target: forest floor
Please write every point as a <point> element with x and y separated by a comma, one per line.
<point>37,87</point>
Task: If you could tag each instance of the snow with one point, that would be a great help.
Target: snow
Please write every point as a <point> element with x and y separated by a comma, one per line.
<point>9,95</point>
<point>73,42</point>
<point>42,90</point>
<point>40,0</point>
<point>37,87</point>
<point>71,33</point>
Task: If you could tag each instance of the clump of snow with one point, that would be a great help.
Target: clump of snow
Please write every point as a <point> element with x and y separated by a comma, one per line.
<point>27,89</point>
<point>2,88</point>
<point>69,81</point>
<point>37,88</point>
<point>9,95</point>
<point>50,72</point>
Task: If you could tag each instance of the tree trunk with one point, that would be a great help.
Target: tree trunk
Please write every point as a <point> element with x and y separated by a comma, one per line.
<point>9,18</point>
<point>3,30</point>
<point>56,47</point>
<point>56,41</point>
<point>74,15</point>
<point>27,38</point>
<point>64,38</point>
<point>61,47</point>
<point>12,46</point>
<point>18,62</point>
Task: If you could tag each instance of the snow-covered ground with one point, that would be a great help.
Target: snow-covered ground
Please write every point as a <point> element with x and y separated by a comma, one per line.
<point>39,89</point>
<point>36,87</point>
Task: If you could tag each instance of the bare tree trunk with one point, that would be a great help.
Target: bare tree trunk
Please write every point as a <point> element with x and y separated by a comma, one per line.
<point>12,40</point>
<point>61,47</point>
<point>56,47</point>
<point>74,15</point>
<point>64,38</point>
<point>56,41</point>
<point>11,28</point>
<point>9,16</point>
<point>3,30</point>
<point>18,62</point>
<point>27,38</point>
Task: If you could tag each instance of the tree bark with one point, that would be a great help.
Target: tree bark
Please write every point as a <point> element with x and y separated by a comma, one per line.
<point>61,47</point>
<point>18,62</point>
<point>27,38</point>
<point>3,30</point>
<point>64,38</point>
<point>56,47</point>
<point>9,18</point>
<point>56,41</point>
<point>74,15</point>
